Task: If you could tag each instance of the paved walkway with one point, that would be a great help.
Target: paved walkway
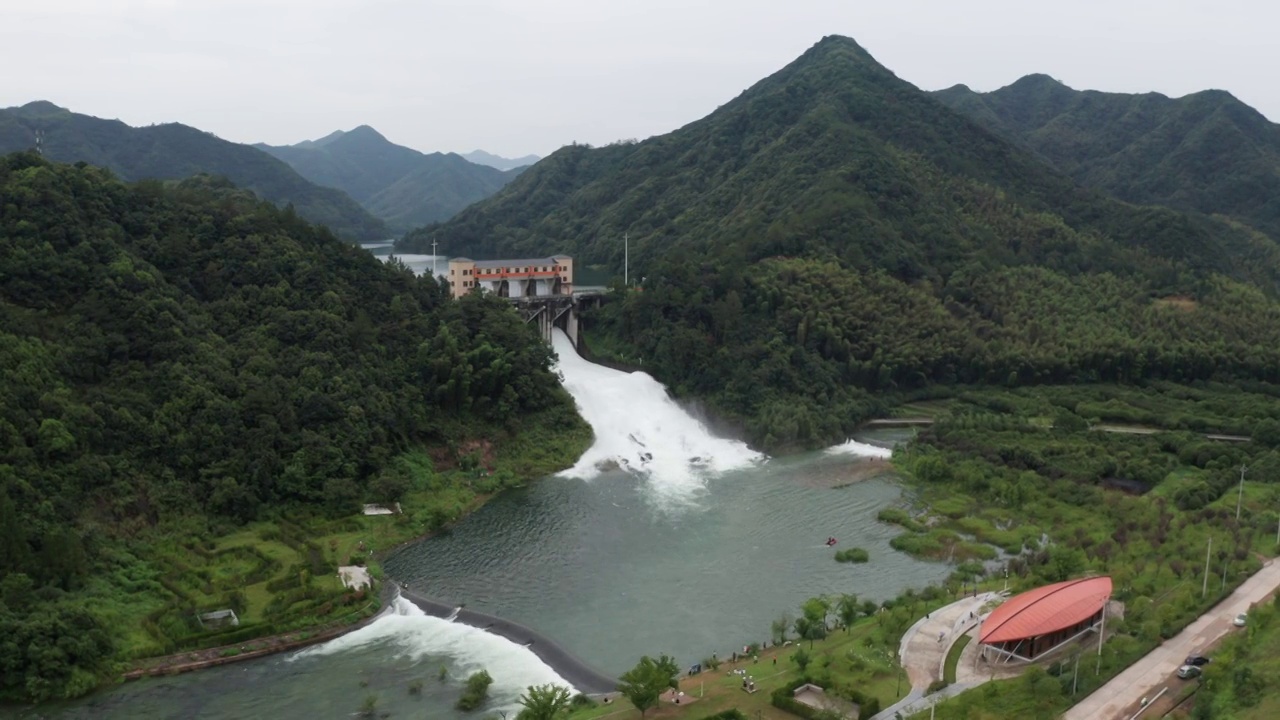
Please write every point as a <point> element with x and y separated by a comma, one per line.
<point>1117,698</point>
<point>923,652</point>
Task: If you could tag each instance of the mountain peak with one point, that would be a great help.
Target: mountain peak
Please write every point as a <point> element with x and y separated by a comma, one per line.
<point>838,48</point>
<point>480,157</point>
<point>40,108</point>
<point>365,131</point>
<point>1039,80</point>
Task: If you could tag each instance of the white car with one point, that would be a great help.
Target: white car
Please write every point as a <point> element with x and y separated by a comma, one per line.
<point>1241,619</point>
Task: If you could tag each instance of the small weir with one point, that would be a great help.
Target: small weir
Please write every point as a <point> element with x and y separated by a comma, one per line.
<point>583,677</point>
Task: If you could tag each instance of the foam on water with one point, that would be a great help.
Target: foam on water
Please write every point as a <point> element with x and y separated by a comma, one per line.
<point>405,629</point>
<point>861,449</point>
<point>639,428</point>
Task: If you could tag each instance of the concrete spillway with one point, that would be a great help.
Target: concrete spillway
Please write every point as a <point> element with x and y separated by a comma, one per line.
<point>583,677</point>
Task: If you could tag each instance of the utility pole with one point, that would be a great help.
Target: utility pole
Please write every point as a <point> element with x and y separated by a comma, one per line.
<point>434,274</point>
<point>1240,495</point>
<point>626,259</point>
<point>1205,590</point>
<point>1075,675</point>
<point>1226,561</point>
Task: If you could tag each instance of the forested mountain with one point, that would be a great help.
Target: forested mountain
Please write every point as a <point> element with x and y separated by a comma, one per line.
<point>402,186</point>
<point>176,353</point>
<point>173,151</point>
<point>834,234</point>
<point>1206,152</point>
<point>480,157</point>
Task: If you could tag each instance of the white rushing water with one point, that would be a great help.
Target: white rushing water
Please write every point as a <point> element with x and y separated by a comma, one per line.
<point>406,630</point>
<point>861,449</point>
<point>639,428</point>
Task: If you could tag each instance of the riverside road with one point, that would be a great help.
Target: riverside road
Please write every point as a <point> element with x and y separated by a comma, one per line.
<point>1121,697</point>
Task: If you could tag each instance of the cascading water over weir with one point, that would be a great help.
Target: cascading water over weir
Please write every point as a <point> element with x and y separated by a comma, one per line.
<point>639,428</point>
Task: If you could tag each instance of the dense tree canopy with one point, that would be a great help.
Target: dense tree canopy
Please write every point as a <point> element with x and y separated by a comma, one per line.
<point>1206,152</point>
<point>187,349</point>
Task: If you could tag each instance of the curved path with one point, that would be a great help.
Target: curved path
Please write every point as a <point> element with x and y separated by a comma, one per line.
<point>583,677</point>
<point>1144,678</point>
<point>923,652</point>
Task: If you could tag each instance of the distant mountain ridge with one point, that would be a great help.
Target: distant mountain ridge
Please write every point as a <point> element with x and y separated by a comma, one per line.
<point>1206,152</point>
<point>174,151</point>
<point>480,157</point>
<point>834,233</point>
<point>403,187</point>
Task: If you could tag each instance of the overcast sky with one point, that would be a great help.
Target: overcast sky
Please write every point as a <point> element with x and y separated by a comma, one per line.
<point>527,76</point>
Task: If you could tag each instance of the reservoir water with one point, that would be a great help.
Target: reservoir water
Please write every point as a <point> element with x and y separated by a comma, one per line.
<point>420,264</point>
<point>663,539</point>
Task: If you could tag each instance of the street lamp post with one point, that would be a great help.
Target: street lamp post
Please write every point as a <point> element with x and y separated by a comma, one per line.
<point>1205,590</point>
<point>1240,494</point>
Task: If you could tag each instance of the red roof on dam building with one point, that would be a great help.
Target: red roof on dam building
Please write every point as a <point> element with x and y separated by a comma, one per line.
<point>1046,609</point>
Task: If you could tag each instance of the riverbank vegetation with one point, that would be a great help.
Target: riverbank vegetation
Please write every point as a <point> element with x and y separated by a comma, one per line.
<point>1015,470</point>
<point>1048,496</point>
<point>199,392</point>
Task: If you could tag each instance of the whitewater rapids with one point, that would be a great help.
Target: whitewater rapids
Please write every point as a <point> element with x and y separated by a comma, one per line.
<point>640,429</point>
<point>405,630</point>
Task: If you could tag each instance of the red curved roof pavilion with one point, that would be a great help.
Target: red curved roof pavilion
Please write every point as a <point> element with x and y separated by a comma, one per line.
<point>1045,610</point>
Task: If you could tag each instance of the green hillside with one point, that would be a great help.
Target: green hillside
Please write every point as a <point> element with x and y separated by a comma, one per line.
<point>834,237</point>
<point>173,151</point>
<point>182,359</point>
<point>1206,152</point>
<point>403,187</point>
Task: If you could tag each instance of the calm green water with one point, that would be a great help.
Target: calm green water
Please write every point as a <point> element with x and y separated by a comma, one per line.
<point>612,575</point>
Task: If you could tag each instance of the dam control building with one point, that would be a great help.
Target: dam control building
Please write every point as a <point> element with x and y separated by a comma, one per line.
<point>529,277</point>
<point>541,289</point>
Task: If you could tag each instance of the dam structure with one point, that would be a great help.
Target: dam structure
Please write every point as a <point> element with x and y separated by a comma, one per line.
<point>541,289</point>
<point>583,677</point>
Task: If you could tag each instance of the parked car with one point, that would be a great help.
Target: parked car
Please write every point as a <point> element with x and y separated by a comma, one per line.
<point>1241,619</point>
<point>1197,660</point>
<point>1187,672</point>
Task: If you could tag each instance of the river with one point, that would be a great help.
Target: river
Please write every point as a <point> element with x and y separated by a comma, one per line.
<point>664,538</point>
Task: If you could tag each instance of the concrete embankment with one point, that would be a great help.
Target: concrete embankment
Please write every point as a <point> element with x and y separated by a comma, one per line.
<point>582,676</point>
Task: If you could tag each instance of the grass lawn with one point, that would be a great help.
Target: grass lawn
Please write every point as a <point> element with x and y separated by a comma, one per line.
<point>953,658</point>
<point>860,659</point>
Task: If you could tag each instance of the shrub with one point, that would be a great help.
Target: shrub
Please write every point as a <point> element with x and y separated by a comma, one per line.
<point>852,555</point>
<point>476,691</point>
